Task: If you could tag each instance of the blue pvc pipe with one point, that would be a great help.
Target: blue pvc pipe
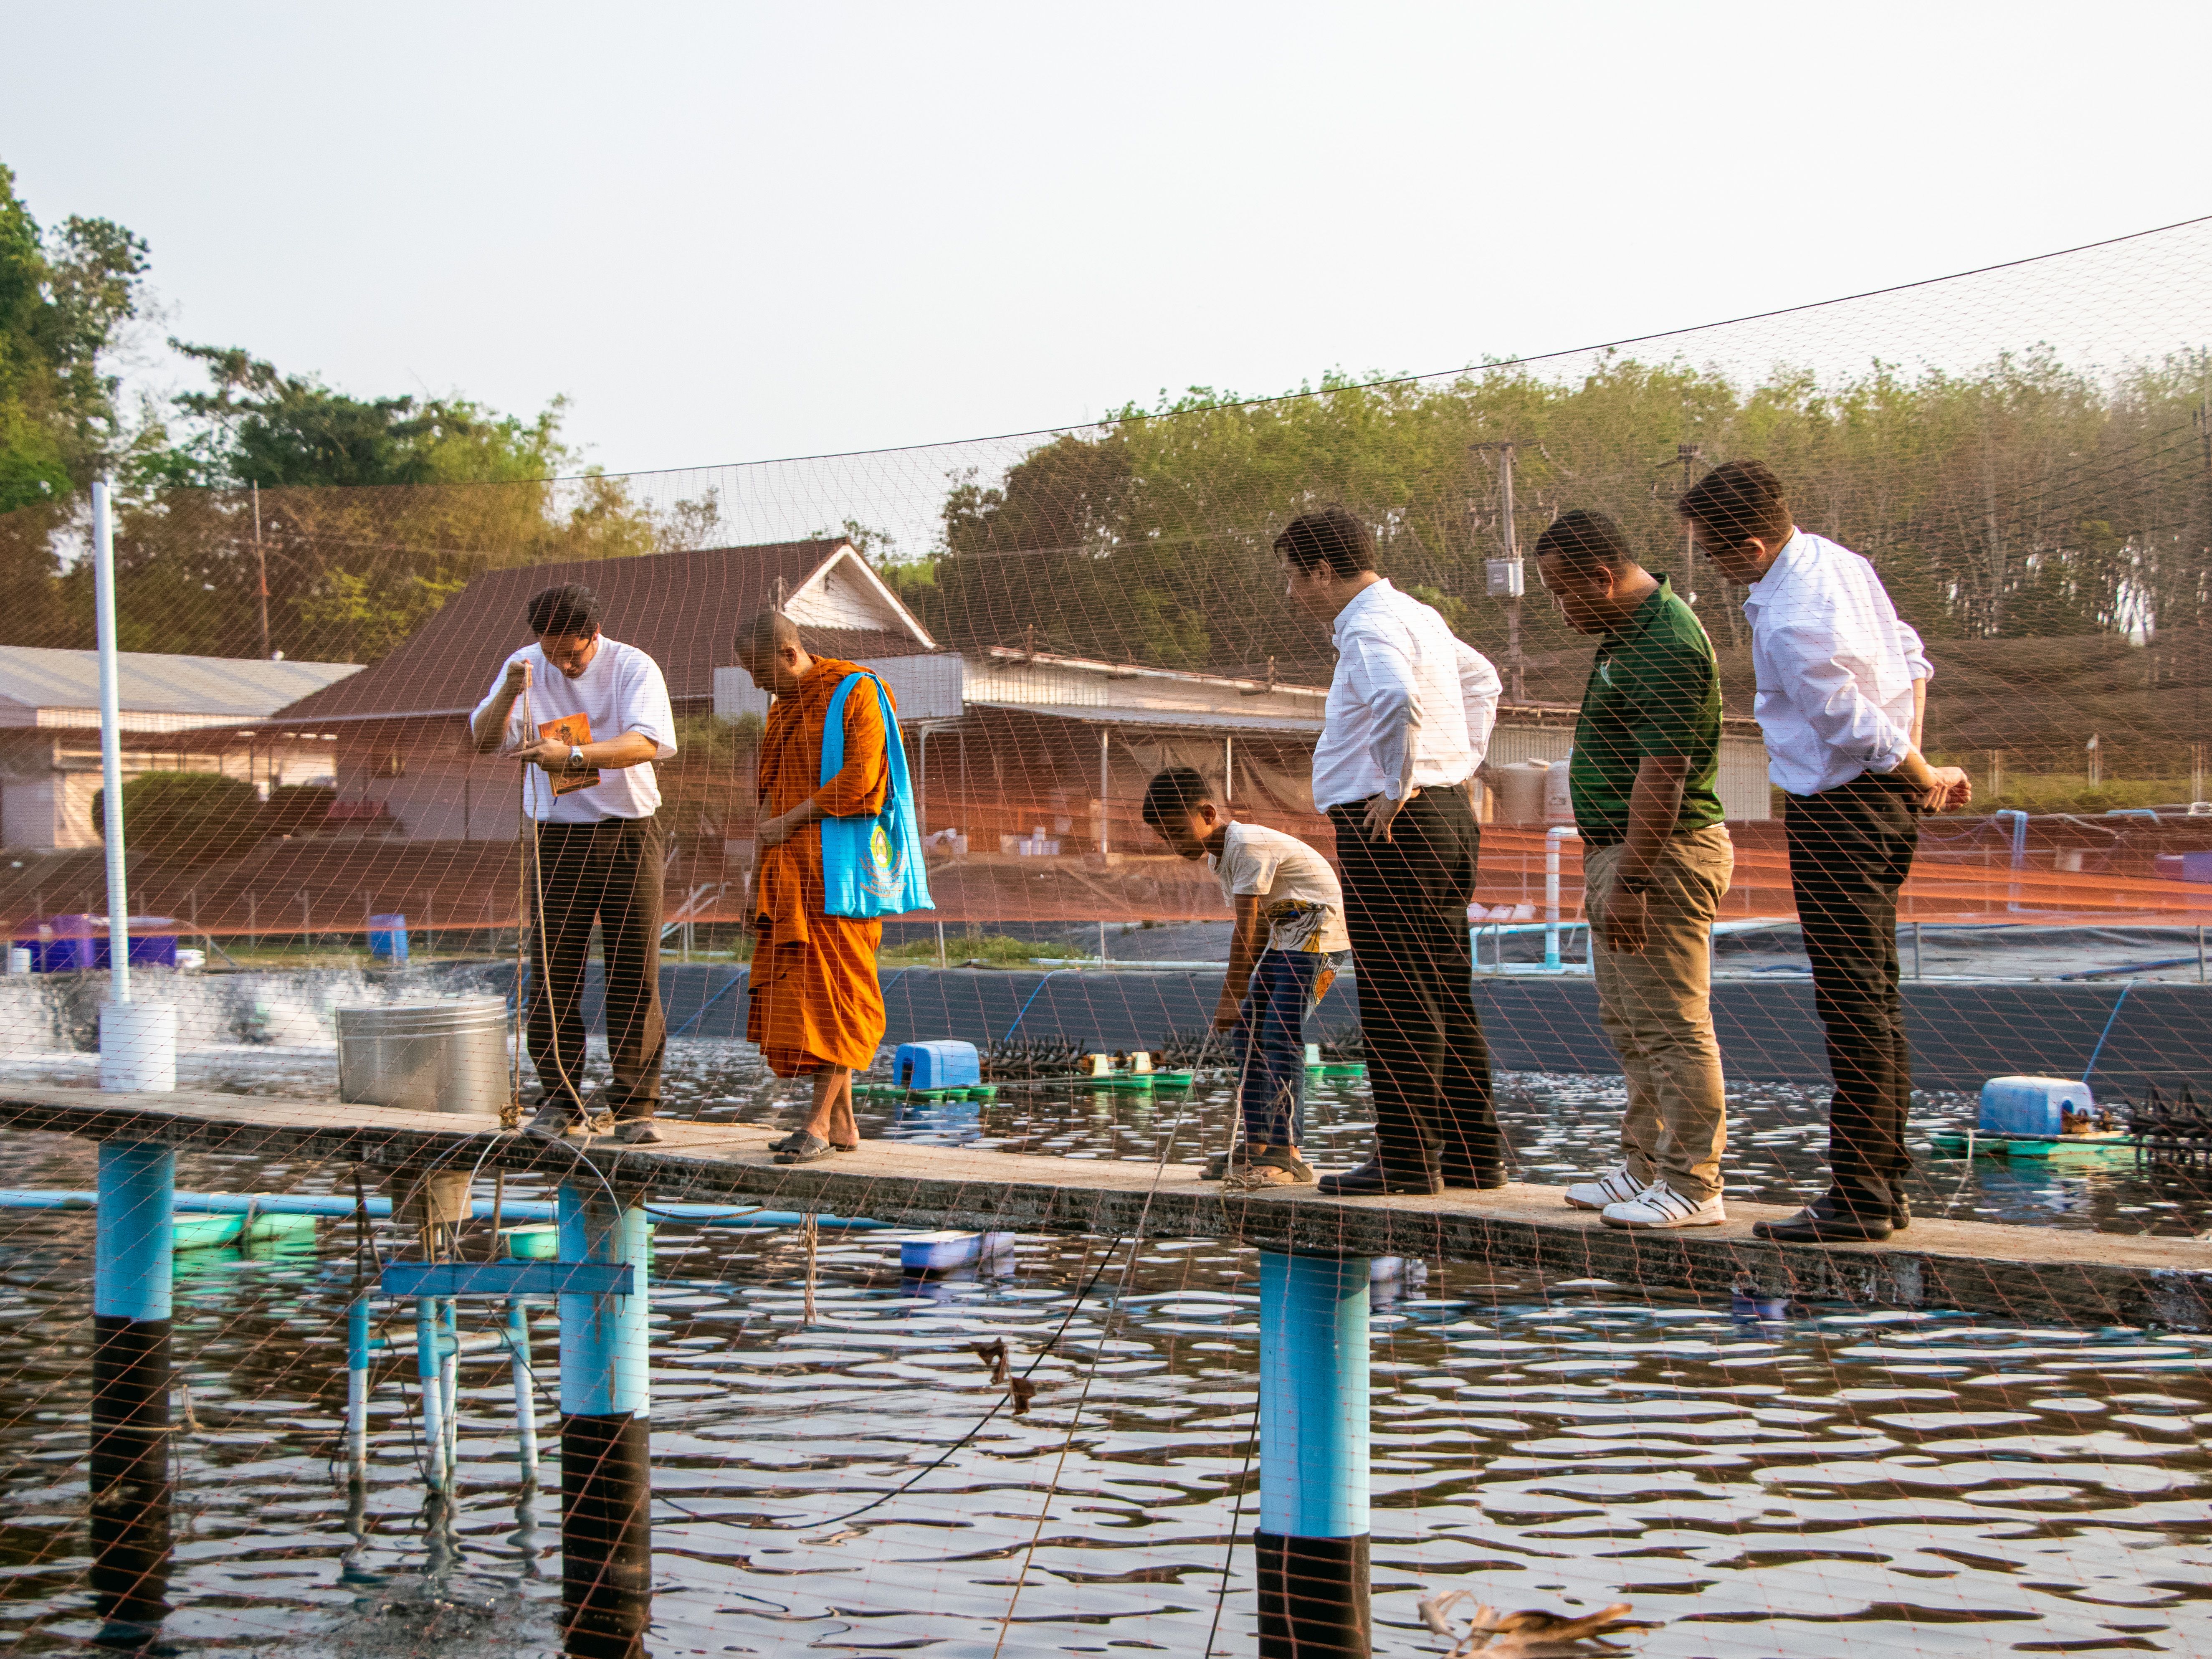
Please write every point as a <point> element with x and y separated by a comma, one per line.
<point>603,1351</point>
<point>1313,1395</point>
<point>514,1209</point>
<point>132,1246</point>
<point>2111,1020</point>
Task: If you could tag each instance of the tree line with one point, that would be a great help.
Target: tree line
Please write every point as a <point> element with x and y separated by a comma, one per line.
<point>2049,530</point>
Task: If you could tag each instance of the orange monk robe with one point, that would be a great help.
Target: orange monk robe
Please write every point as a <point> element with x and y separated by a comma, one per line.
<point>815,1001</point>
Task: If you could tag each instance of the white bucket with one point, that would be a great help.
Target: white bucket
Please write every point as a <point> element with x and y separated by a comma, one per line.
<point>139,1046</point>
<point>19,959</point>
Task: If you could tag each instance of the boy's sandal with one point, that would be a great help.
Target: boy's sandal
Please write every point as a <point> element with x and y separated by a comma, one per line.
<point>1218,1166</point>
<point>1253,1177</point>
<point>804,1149</point>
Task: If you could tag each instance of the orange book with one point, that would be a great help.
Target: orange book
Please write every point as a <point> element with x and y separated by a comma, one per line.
<point>570,729</point>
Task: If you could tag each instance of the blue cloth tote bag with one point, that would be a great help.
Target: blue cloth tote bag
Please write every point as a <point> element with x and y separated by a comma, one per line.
<point>871,866</point>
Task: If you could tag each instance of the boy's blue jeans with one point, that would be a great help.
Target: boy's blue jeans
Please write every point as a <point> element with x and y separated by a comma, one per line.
<point>1271,1045</point>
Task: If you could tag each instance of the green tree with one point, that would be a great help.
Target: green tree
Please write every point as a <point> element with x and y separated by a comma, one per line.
<point>186,818</point>
<point>64,297</point>
<point>259,425</point>
<point>366,513</point>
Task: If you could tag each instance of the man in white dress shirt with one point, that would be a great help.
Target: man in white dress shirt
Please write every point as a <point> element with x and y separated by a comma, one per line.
<point>598,718</point>
<point>1406,724</point>
<point>1842,695</point>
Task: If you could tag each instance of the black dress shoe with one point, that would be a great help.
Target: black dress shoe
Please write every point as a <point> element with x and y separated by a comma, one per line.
<point>1372,1180</point>
<point>1839,1215</point>
<point>1489,1178</point>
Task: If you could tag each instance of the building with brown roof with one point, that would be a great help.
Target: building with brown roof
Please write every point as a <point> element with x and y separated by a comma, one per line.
<point>403,760</point>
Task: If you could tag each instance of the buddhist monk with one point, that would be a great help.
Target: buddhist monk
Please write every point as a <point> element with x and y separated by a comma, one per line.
<point>817,1007</point>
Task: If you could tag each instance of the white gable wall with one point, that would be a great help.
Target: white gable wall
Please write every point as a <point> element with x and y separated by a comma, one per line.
<point>924,688</point>
<point>845,593</point>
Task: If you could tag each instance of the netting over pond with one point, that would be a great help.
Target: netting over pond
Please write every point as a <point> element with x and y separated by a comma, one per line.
<point>2024,453</point>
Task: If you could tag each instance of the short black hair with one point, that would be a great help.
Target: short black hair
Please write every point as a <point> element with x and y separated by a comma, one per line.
<point>1174,793</point>
<point>571,608</point>
<point>1331,536</point>
<point>1738,499</point>
<point>1587,542</point>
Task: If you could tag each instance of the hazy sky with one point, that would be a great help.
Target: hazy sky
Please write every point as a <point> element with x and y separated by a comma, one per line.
<point>737,232</point>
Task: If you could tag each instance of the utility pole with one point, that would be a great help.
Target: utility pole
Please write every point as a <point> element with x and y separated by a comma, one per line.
<point>1690,455</point>
<point>1506,579</point>
<point>261,562</point>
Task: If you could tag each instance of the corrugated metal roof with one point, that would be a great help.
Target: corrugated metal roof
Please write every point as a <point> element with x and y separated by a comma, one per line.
<point>1127,714</point>
<point>213,688</point>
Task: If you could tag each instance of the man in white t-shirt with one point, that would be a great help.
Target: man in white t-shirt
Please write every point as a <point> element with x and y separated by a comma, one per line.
<point>1288,946</point>
<point>588,715</point>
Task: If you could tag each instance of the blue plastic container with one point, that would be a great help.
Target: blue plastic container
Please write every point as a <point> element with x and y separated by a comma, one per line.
<point>147,949</point>
<point>2032,1105</point>
<point>387,939</point>
<point>946,1063</point>
<point>77,943</point>
<point>66,944</point>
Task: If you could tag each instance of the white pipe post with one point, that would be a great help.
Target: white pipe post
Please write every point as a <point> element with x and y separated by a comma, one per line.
<point>430,1381</point>
<point>357,1388</point>
<point>449,1382</point>
<point>138,1043</point>
<point>111,737</point>
<point>1553,837</point>
<point>526,1403</point>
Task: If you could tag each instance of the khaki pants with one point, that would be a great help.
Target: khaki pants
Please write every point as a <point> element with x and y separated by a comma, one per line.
<point>1657,1006</point>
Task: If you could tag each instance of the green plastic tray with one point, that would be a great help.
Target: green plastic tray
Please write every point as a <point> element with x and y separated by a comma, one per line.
<point>1119,1080</point>
<point>1952,1144</point>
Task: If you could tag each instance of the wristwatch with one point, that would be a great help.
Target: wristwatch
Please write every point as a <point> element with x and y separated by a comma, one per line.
<point>575,758</point>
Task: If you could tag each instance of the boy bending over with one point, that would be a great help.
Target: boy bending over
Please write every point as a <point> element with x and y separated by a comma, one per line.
<point>1289,942</point>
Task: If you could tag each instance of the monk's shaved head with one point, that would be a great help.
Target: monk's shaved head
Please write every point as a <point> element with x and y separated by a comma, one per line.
<point>768,648</point>
<point>768,632</point>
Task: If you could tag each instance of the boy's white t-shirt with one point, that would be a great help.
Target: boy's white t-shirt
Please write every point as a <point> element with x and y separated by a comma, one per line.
<point>1298,892</point>
<point>621,690</point>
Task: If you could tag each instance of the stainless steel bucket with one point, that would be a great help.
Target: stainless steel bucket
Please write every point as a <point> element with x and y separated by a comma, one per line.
<point>444,1056</point>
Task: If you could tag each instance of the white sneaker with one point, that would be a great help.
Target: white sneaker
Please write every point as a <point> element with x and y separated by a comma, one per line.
<point>1615,1186</point>
<point>1661,1206</point>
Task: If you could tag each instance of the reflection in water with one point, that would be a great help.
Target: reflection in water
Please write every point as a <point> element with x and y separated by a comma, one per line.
<point>1847,1482</point>
<point>127,1479</point>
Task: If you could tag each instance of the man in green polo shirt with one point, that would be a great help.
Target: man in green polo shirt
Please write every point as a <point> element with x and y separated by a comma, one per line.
<point>1656,860</point>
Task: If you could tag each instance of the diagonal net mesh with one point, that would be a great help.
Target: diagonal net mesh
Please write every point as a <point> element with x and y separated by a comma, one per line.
<point>1987,1428</point>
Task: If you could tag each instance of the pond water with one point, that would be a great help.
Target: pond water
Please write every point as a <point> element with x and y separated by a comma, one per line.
<point>1838,1483</point>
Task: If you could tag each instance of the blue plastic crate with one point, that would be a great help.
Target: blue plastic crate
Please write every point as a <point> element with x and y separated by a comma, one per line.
<point>946,1063</point>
